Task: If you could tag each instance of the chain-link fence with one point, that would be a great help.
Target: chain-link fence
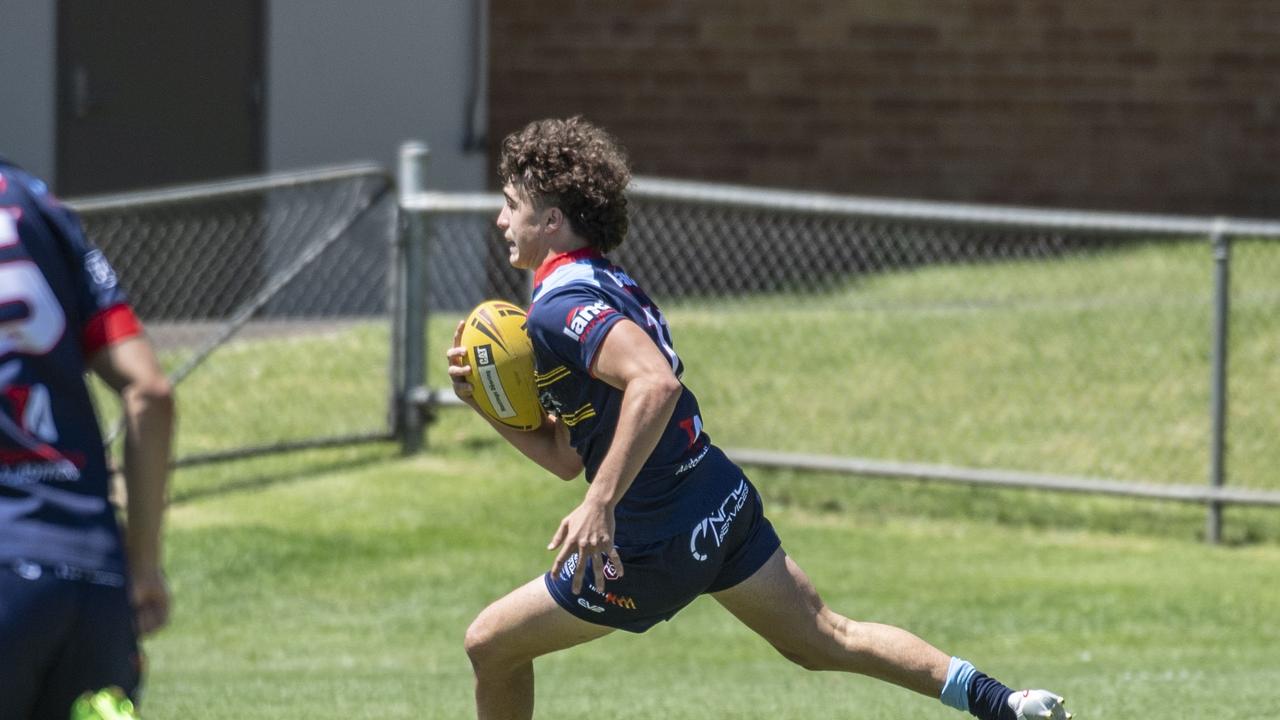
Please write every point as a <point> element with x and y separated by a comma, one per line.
<point>986,345</point>
<point>267,300</point>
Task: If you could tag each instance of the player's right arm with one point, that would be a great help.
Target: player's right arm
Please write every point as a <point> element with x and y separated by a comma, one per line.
<point>131,368</point>
<point>548,445</point>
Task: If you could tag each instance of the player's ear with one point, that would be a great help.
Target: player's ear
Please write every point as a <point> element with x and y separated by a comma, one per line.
<point>554,219</point>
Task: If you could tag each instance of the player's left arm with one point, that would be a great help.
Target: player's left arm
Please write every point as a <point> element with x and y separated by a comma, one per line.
<point>131,368</point>
<point>628,360</point>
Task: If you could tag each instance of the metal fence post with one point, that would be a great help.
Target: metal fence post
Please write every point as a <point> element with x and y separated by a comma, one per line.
<point>1218,397</point>
<point>410,307</point>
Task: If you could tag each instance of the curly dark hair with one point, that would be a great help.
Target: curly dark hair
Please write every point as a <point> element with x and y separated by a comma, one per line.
<point>577,167</point>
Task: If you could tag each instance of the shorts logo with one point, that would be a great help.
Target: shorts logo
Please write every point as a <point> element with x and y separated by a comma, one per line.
<point>610,572</point>
<point>570,566</point>
<point>626,602</point>
<point>717,526</point>
<point>593,608</point>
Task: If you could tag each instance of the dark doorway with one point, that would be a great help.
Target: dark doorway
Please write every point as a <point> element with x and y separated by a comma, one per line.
<point>156,92</point>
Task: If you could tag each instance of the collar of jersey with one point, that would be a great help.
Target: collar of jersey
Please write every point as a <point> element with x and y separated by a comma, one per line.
<point>556,260</point>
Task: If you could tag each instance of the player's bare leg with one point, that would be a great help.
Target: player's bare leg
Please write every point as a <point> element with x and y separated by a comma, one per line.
<point>504,639</point>
<point>780,604</point>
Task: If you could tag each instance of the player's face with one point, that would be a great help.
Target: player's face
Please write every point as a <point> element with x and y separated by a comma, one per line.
<point>522,226</point>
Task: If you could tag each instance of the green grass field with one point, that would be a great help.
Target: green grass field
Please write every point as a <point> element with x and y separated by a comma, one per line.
<point>338,583</point>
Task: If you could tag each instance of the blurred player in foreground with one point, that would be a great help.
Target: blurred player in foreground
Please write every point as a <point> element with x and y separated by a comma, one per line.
<point>666,516</point>
<point>74,594</point>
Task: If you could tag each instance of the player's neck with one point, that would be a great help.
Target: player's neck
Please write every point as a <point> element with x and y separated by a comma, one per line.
<point>556,259</point>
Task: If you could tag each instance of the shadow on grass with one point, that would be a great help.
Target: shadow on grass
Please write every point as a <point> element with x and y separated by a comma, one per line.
<point>208,481</point>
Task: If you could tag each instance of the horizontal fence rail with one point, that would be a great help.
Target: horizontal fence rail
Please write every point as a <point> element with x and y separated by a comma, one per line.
<point>960,213</point>
<point>695,193</point>
<point>1103,337</point>
<point>1003,478</point>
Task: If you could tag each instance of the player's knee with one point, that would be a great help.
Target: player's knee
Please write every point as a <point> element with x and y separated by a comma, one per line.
<point>480,641</point>
<point>484,644</point>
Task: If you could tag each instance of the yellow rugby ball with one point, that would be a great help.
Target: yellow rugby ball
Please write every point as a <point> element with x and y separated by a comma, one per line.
<point>501,359</point>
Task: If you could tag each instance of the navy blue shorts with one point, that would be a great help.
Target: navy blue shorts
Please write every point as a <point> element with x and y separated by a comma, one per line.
<point>62,632</point>
<point>718,552</point>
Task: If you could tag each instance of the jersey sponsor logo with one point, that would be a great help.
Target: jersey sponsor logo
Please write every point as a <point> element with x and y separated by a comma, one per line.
<point>716,526</point>
<point>26,420</point>
<point>100,270</point>
<point>31,406</point>
<point>583,317</point>
<point>693,462</point>
<point>32,322</point>
<point>693,427</point>
<point>622,278</point>
<point>31,466</point>
<point>492,382</point>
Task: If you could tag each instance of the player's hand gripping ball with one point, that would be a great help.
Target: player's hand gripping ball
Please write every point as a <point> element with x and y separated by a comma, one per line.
<point>501,359</point>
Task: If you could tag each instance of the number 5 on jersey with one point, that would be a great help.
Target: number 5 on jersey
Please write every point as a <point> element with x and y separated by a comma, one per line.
<point>31,320</point>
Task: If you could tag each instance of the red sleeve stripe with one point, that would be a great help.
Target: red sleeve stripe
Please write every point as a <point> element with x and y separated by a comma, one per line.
<point>108,327</point>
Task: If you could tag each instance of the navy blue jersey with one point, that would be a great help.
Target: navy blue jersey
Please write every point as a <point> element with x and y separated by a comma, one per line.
<point>59,304</point>
<point>578,297</point>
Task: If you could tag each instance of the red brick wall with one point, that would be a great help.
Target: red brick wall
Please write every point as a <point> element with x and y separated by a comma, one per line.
<point>1124,104</point>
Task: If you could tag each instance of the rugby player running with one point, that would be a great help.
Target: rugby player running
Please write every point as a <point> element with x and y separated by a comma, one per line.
<point>75,591</point>
<point>666,516</point>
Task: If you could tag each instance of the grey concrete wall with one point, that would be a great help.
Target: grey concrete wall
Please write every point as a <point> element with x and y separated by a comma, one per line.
<point>352,81</point>
<point>28,30</point>
<point>349,81</point>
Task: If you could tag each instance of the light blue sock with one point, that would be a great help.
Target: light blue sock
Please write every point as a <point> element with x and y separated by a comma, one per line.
<point>955,691</point>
